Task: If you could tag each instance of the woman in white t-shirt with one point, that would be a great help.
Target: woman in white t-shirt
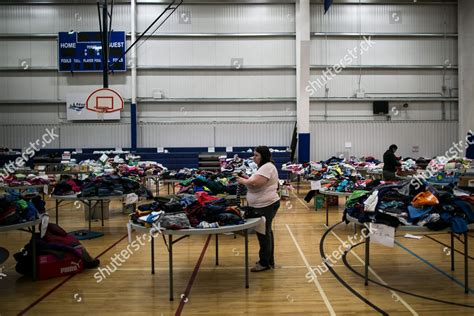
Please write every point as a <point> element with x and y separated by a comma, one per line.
<point>262,194</point>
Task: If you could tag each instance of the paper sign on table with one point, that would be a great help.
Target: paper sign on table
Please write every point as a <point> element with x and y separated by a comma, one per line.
<point>229,149</point>
<point>382,234</point>
<point>316,185</point>
<point>211,150</point>
<point>161,149</point>
<point>103,158</point>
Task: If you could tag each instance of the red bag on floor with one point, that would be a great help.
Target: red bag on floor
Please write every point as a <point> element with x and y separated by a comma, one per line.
<point>50,266</point>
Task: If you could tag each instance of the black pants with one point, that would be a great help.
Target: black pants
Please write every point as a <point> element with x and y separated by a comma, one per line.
<point>389,176</point>
<point>267,245</point>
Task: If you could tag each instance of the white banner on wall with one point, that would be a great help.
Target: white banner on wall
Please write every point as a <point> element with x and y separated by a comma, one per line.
<point>76,109</point>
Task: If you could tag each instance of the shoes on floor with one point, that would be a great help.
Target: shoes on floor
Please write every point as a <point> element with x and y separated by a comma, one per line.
<point>259,268</point>
<point>271,266</point>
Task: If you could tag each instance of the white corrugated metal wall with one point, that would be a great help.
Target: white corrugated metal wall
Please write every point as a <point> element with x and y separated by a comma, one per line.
<point>221,124</point>
<point>373,138</point>
<point>336,123</point>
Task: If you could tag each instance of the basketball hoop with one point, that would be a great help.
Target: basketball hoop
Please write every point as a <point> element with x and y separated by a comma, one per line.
<point>100,114</point>
<point>104,101</point>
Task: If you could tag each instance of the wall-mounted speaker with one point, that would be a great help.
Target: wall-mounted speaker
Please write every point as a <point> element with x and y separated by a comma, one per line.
<point>380,107</point>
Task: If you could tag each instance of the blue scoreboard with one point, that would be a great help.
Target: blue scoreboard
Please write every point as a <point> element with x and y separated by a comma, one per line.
<point>82,52</point>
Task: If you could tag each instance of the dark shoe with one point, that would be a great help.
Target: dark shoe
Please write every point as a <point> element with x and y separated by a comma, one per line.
<point>259,268</point>
<point>271,265</point>
<point>4,254</point>
<point>91,264</point>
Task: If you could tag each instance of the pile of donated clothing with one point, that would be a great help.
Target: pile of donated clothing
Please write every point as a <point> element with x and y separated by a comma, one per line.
<point>413,203</point>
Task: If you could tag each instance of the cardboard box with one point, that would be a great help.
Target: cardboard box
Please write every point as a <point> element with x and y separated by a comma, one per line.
<point>466,181</point>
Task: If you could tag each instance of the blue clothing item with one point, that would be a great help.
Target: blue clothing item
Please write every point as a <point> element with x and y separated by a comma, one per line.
<point>187,200</point>
<point>198,189</point>
<point>467,208</point>
<point>418,212</point>
<point>392,204</point>
<point>154,217</point>
<point>12,195</point>
<point>32,211</point>
<point>458,225</point>
<point>446,217</point>
<point>342,186</point>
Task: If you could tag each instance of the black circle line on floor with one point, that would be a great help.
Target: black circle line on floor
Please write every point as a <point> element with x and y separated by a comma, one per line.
<point>344,283</point>
<point>185,296</point>
<point>442,243</point>
<point>346,263</point>
<point>51,291</point>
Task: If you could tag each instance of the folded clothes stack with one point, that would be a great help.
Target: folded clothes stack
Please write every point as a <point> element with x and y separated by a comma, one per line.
<point>140,169</point>
<point>293,168</point>
<point>214,183</point>
<point>237,165</point>
<point>181,174</point>
<point>407,203</point>
<point>111,185</point>
<point>23,180</point>
<point>336,176</point>
<point>199,210</point>
<point>16,208</point>
<point>117,165</point>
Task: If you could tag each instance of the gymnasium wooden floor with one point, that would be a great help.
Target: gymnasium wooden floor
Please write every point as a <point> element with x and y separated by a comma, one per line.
<point>421,267</point>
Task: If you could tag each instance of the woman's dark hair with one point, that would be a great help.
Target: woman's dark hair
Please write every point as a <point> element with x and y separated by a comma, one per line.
<point>264,151</point>
<point>393,147</point>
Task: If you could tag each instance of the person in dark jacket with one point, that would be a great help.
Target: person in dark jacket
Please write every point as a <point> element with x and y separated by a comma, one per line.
<point>390,164</point>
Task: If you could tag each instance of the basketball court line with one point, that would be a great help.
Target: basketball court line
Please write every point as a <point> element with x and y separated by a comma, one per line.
<point>227,268</point>
<point>394,294</point>
<point>310,270</point>
<point>51,291</point>
<point>434,267</point>
<point>184,297</point>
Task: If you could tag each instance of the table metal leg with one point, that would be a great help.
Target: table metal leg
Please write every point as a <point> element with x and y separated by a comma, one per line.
<point>152,255</point>
<point>246,232</point>
<point>217,249</point>
<point>367,254</point>
<point>466,263</point>
<point>170,260</point>
<point>89,206</point>
<point>298,184</point>
<point>452,251</point>
<point>33,247</point>
<point>57,212</point>
<point>102,211</point>
<point>327,211</point>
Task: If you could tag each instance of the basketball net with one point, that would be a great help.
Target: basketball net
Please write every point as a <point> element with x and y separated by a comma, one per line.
<point>100,114</point>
